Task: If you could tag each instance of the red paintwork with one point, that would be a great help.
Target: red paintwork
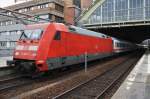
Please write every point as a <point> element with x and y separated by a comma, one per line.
<point>46,42</point>
<point>25,53</point>
<point>71,44</point>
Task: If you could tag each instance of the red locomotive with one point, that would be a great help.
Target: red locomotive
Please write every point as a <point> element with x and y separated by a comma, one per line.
<point>48,46</point>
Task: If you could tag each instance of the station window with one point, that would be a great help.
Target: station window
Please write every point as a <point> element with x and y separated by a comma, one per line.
<point>7,33</point>
<point>8,13</point>
<point>13,32</point>
<point>46,5</point>
<point>59,8</point>
<point>57,35</point>
<point>32,8</point>
<point>20,11</point>
<point>4,33</point>
<point>12,44</point>
<point>77,3</point>
<point>3,44</point>
<point>43,6</point>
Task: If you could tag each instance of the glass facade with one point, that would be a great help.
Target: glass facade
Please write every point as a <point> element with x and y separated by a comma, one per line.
<point>147,9</point>
<point>77,3</point>
<point>113,11</point>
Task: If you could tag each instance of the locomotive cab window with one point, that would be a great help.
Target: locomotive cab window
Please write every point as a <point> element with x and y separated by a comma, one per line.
<point>34,34</point>
<point>57,35</point>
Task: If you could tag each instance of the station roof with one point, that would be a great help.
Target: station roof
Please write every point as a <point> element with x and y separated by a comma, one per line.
<point>135,34</point>
<point>125,19</point>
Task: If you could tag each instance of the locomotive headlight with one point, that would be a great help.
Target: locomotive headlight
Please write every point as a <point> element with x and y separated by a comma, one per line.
<point>40,61</point>
<point>33,48</point>
<point>19,47</point>
<point>16,53</point>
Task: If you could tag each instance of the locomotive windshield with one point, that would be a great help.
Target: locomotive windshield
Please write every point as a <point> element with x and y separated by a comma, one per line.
<point>32,34</point>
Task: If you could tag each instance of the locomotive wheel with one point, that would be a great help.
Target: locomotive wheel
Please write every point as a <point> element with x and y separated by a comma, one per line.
<point>25,68</point>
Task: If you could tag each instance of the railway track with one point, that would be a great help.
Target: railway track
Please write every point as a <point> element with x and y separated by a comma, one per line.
<point>6,71</point>
<point>14,81</point>
<point>97,87</point>
<point>29,93</point>
<point>8,78</point>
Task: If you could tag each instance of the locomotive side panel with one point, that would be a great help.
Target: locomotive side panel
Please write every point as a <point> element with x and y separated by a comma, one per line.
<point>89,44</point>
<point>70,49</point>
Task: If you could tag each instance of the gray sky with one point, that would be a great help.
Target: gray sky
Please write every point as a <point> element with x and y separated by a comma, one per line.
<point>4,3</point>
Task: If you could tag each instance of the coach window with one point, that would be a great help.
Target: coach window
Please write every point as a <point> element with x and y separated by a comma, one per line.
<point>117,44</point>
<point>57,36</point>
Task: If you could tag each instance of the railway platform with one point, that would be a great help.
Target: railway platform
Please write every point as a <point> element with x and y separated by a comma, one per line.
<point>137,84</point>
<point>3,61</point>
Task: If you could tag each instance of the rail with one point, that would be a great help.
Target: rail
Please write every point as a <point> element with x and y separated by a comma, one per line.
<point>84,83</point>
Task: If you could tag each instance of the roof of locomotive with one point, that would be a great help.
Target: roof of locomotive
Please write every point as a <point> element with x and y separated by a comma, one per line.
<point>70,28</point>
<point>86,32</point>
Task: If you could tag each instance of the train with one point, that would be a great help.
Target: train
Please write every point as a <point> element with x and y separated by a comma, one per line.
<point>146,44</point>
<point>48,46</point>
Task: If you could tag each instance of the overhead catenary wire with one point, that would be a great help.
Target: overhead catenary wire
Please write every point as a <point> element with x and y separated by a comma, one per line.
<point>2,14</point>
<point>27,15</point>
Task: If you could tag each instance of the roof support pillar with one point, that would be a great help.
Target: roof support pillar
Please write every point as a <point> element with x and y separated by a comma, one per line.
<point>144,7</point>
<point>128,18</point>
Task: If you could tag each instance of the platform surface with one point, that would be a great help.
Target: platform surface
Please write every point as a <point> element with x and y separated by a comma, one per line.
<point>3,61</point>
<point>137,84</point>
